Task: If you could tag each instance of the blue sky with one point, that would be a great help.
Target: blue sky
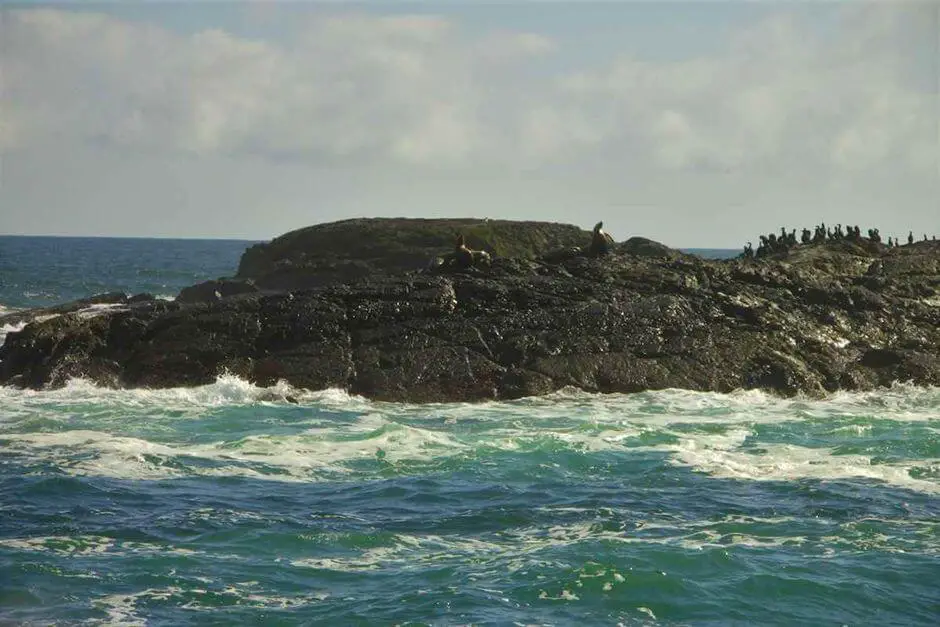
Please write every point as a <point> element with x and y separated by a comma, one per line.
<point>696,123</point>
<point>651,30</point>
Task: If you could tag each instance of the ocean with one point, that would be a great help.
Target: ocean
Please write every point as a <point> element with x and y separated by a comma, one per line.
<point>227,505</point>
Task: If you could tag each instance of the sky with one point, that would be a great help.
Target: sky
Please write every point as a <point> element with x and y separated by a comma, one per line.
<point>697,124</point>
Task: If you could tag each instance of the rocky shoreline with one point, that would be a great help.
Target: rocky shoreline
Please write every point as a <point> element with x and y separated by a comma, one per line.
<point>821,317</point>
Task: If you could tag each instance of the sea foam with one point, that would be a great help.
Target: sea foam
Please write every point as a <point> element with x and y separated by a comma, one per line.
<point>235,428</point>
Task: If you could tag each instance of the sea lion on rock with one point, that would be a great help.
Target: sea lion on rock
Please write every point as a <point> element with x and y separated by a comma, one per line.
<point>465,255</point>
<point>481,258</point>
<point>601,242</point>
<point>462,257</point>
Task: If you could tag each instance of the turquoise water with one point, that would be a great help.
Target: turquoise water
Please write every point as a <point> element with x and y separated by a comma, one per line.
<point>226,504</point>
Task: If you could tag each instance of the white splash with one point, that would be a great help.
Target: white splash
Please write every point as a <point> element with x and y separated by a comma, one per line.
<point>10,328</point>
<point>227,390</point>
<point>286,434</point>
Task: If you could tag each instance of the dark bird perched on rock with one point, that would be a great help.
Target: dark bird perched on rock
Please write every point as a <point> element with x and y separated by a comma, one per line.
<point>601,242</point>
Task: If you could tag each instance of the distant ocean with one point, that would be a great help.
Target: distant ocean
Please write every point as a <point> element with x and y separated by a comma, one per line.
<point>223,505</point>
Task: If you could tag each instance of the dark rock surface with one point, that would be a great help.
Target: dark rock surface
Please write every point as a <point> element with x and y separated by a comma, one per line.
<point>824,317</point>
<point>24,315</point>
<point>209,291</point>
<point>351,250</point>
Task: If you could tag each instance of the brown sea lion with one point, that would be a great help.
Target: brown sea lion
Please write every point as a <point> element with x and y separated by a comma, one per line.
<point>462,257</point>
<point>481,258</point>
<point>601,242</point>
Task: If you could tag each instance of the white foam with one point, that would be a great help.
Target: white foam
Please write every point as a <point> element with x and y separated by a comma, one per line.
<point>122,608</point>
<point>661,407</point>
<point>97,309</point>
<point>61,545</point>
<point>16,328</point>
<point>321,453</point>
<point>227,390</point>
<point>722,455</point>
<point>85,545</point>
<point>308,456</point>
<point>134,433</point>
<point>515,550</point>
<point>10,328</point>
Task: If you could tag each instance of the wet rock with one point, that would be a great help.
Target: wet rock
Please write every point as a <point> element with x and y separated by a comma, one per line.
<point>142,297</point>
<point>92,302</point>
<point>209,291</point>
<point>809,323</point>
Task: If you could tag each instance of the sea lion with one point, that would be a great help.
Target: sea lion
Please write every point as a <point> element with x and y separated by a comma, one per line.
<point>601,242</point>
<point>463,256</point>
<point>481,258</point>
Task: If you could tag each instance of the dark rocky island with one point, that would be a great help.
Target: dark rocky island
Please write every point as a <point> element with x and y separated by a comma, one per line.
<point>361,305</point>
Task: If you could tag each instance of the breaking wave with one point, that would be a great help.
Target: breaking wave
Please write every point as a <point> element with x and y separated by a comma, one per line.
<point>235,428</point>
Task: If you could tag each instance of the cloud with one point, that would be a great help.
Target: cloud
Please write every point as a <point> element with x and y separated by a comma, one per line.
<point>355,85</point>
<point>781,98</point>
<point>787,95</point>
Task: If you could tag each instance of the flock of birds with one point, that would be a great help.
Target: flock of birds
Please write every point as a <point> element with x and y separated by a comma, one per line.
<point>773,243</point>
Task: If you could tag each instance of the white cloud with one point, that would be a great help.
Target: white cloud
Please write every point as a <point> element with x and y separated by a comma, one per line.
<point>411,89</point>
<point>846,104</point>
<point>782,97</point>
<point>357,84</point>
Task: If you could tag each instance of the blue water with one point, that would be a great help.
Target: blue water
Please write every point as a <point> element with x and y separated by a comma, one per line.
<point>712,253</point>
<point>227,505</point>
<point>43,271</point>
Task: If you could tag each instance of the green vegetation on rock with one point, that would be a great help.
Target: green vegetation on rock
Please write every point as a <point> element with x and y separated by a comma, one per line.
<point>404,243</point>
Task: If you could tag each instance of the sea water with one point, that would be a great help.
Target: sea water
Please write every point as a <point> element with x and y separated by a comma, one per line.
<point>228,504</point>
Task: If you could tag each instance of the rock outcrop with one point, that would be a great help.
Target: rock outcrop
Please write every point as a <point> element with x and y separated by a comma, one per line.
<point>825,317</point>
<point>351,250</point>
